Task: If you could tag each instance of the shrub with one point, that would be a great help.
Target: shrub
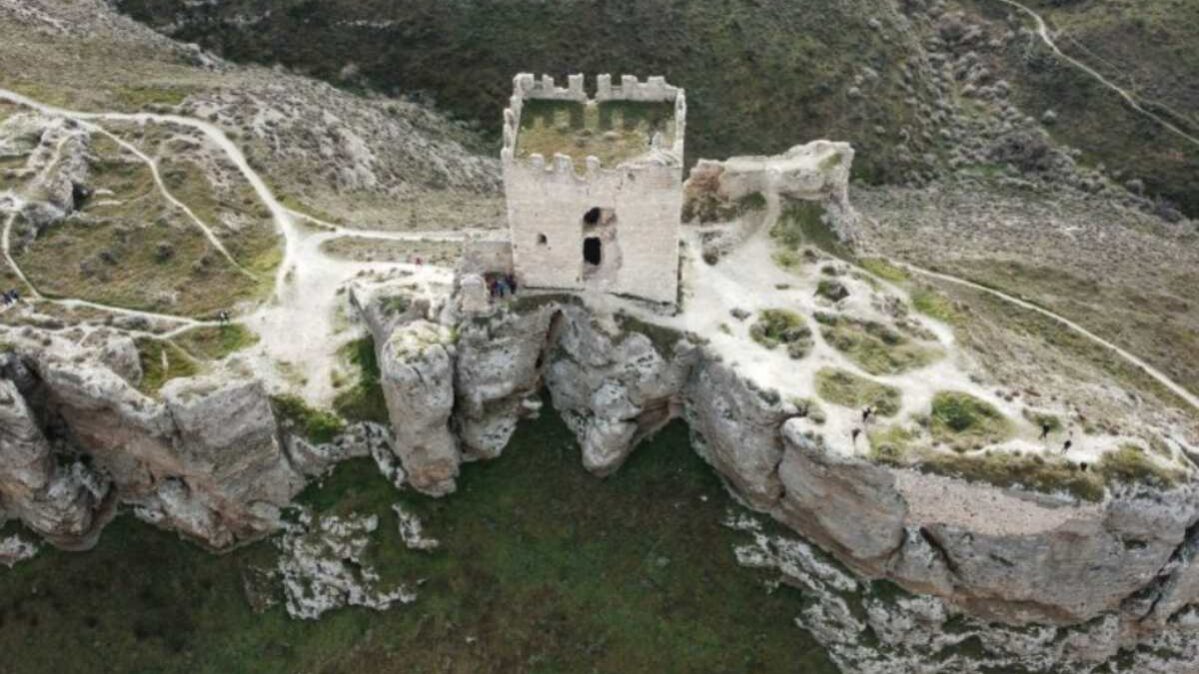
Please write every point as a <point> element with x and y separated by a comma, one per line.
<point>965,422</point>
<point>776,327</point>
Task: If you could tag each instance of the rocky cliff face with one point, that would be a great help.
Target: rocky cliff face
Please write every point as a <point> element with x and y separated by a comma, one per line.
<point>1000,554</point>
<point>77,439</point>
<point>209,460</point>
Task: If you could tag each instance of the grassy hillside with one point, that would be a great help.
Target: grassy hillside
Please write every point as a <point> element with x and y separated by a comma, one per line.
<point>761,75</point>
<point>542,568</point>
<point>1147,48</point>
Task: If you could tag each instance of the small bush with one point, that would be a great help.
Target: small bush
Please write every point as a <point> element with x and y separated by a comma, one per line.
<point>965,422</point>
<point>776,327</point>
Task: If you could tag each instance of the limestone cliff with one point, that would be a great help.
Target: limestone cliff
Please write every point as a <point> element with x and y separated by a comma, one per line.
<point>1002,554</point>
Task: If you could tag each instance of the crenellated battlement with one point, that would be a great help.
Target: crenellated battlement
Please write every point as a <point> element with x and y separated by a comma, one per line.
<point>655,89</point>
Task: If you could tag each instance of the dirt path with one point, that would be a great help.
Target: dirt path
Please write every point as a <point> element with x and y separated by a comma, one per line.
<point>1130,98</point>
<point>1190,398</point>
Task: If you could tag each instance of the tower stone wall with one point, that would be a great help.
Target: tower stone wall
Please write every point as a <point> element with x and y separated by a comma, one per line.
<point>634,205</point>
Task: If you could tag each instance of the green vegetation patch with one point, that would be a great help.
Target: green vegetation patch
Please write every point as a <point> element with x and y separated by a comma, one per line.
<point>935,305</point>
<point>161,362</point>
<point>242,223</point>
<point>876,348</point>
<point>883,269</point>
<point>542,568</point>
<point>612,130</point>
<point>1001,469</point>
<point>1130,465</point>
<point>318,426</point>
<point>847,389</point>
<point>965,422</point>
<point>133,249</point>
<point>782,327</point>
<point>137,98</point>
<point>803,223</point>
<point>363,401</point>
<point>214,343</point>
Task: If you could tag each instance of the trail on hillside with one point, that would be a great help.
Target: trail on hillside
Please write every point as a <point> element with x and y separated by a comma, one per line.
<point>298,327</point>
<point>1129,97</point>
<point>1190,398</point>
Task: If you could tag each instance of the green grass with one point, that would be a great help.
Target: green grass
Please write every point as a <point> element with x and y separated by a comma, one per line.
<point>140,252</point>
<point>760,77</point>
<point>161,362</point>
<point>964,422</point>
<point>883,269</point>
<point>844,388</point>
<point>1130,465</point>
<point>318,426</point>
<point>802,223</point>
<point>874,347</point>
<point>363,401</point>
<point>542,568</point>
<point>935,305</point>
<point>214,343</point>
<point>137,98</point>
<point>612,131</point>
<point>782,327</point>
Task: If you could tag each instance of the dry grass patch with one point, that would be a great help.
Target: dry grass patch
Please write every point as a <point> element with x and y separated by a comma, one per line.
<point>612,131</point>
<point>844,388</point>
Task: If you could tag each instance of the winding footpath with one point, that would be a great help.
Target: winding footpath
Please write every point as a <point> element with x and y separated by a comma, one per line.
<point>1132,100</point>
<point>300,320</point>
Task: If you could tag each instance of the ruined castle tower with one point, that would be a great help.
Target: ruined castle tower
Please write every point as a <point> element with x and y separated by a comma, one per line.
<point>594,185</point>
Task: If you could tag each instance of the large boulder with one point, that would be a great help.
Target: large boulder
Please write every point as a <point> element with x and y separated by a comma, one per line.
<point>498,368</point>
<point>416,364</point>
<point>613,389</point>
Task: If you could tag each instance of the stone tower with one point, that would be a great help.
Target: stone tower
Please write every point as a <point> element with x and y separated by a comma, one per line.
<point>595,185</point>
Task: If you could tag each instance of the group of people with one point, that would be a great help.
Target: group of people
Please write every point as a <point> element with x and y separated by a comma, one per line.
<point>11,296</point>
<point>502,287</point>
<point>867,412</point>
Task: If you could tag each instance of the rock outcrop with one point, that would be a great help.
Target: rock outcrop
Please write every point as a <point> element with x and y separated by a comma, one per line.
<point>417,366</point>
<point>1001,554</point>
<point>206,461</point>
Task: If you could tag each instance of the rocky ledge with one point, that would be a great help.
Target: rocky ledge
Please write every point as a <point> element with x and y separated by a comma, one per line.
<point>209,457</point>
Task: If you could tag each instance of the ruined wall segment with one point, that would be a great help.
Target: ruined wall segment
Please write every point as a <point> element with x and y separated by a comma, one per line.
<point>640,197</point>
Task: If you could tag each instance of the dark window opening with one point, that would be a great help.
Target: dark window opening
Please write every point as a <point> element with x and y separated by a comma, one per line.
<point>592,250</point>
<point>541,240</point>
<point>592,217</point>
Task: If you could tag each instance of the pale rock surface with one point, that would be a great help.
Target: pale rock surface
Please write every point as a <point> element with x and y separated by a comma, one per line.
<point>736,429</point>
<point>497,368</point>
<point>57,502</point>
<point>417,371</point>
<point>613,390</point>
<point>842,502</point>
<point>321,566</point>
